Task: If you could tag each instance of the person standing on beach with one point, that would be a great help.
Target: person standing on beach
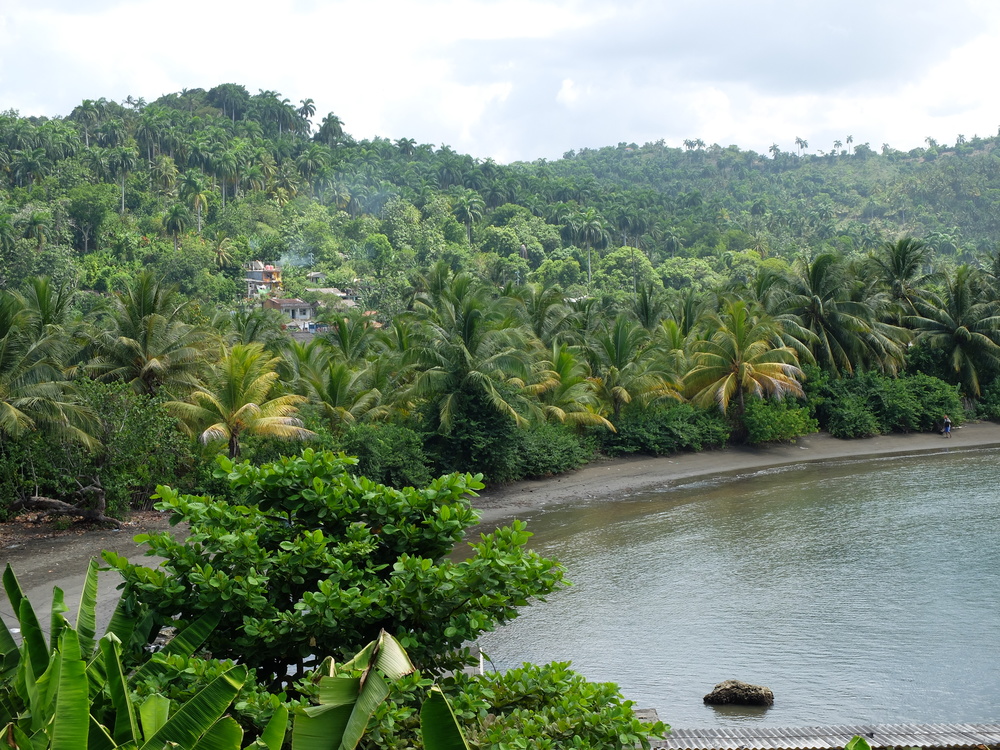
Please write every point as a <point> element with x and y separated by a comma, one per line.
<point>947,426</point>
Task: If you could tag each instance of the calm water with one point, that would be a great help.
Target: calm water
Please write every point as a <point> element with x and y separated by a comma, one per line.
<point>858,592</point>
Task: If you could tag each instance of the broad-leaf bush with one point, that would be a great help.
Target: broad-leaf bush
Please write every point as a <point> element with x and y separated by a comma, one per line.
<point>662,430</point>
<point>769,421</point>
<point>301,557</point>
<point>548,449</point>
<point>872,404</point>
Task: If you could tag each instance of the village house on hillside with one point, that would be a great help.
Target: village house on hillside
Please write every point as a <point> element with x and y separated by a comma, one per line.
<point>300,314</point>
<point>262,278</point>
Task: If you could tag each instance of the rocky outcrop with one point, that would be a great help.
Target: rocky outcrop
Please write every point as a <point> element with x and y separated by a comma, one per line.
<point>740,693</point>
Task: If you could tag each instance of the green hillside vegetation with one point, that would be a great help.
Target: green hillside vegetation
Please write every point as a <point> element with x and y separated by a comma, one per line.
<point>466,318</point>
<point>507,319</point>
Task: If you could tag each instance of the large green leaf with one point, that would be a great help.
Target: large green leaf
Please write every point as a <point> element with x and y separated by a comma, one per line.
<point>225,734</point>
<point>86,614</point>
<point>70,724</point>
<point>33,639</point>
<point>273,736</point>
<point>56,619</point>
<point>391,658</point>
<point>198,715</point>
<point>373,692</point>
<point>153,714</point>
<point>126,727</point>
<point>320,730</point>
<point>99,739</point>
<point>438,725</point>
<point>10,654</point>
<point>31,631</point>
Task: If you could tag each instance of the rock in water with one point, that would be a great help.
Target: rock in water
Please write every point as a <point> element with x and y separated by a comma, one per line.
<point>740,694</point>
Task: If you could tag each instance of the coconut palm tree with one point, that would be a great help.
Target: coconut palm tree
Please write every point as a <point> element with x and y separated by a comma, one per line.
<point>900,268</point>
<point>844,332</point>
<point>343,394</point>
<point>744,356</point>
<point>176,220</point>
<point>565,391</point>
<point>192,189</point>
<point>34,393</point>
<point>626,368</point>
<point>473,347</point>
<point>145,342</point>
<point>236,400</point>
<point>964,323</point>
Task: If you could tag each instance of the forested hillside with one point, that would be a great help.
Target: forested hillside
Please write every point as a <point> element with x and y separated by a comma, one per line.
<point>510,319</point>
<point>195,289</point>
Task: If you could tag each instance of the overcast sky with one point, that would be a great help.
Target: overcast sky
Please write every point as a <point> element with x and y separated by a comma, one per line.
<point>520,79</point>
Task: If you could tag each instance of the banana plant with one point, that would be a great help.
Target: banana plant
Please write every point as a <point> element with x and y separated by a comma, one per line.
<point>346,702</point>
<point>72,692</point>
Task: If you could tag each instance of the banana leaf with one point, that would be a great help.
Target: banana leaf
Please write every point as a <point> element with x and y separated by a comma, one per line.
<point>438,725</point>
<point>199,714</point>
<point>153,714</point>
<point>347,703</point>
<point>10,654</point>
<point>86,614</point>
<point>185,643</point>
<point>225,734</point>
<point>70,724</point>
<point>31,631</point>
<point>56,619</point>
<point>273,736</point>
<point>99,739</point>
<point>126,727</point>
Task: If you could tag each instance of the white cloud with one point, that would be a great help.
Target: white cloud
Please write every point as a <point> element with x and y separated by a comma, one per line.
<point>522,79</point>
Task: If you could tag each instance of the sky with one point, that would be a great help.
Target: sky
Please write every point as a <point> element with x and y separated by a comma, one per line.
<point>522,80</point>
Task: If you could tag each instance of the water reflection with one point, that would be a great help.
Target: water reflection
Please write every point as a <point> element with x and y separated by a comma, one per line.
<point>858,592</point>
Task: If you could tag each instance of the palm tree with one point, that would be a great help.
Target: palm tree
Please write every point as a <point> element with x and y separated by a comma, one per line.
<point>744,355</point>
<point>964,324</point>
<point>469,209</point>
<point>36,225</point>
<point>900,269</point>
<point>236,401</point>
<point>192,189</point>
<point>842,332</point>
<point>121,161</point>
<point>626,369</point>
<point>473,348</point>
<point>177,219</point>
<point>343,394</point>
<point>145,342</point>
<point>565,390</point>
<point>591,230</point>
<point>34,394</point>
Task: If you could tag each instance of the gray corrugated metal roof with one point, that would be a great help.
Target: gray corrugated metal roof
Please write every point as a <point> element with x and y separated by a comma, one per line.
<point>819,738</point>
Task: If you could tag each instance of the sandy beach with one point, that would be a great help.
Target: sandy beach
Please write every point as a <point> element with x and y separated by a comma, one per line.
<point>611,478</point>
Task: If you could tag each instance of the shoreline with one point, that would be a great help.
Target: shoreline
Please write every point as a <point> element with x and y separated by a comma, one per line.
<point>608,478</point>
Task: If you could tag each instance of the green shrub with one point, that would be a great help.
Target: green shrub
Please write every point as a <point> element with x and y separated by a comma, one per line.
<point>140,446</point>
<point>662,430</point>
<point>872,404</point>
<point>541,706</point>
<point>389,454</point>
<point>770,421</point>
<point>301,553</point>
<point>548,449</point>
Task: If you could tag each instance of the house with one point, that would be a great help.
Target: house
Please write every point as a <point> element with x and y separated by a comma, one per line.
<point>300,314</point>
<point>262,278</point>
